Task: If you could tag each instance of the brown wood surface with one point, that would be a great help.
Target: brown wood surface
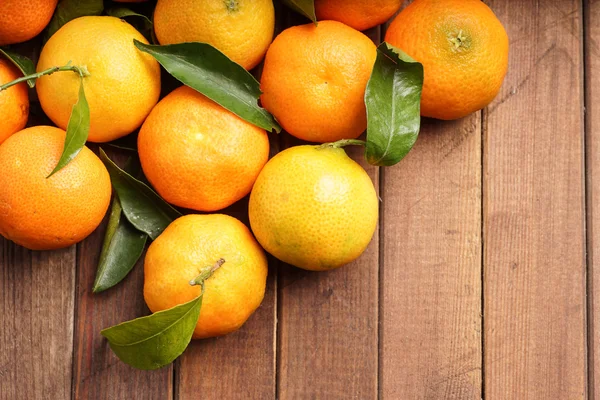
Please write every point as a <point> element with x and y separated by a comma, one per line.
<point>534,232</point>
<point>430,345</point>
<point>473,287</point>
<point>36,329</point>
<point>592,102</point>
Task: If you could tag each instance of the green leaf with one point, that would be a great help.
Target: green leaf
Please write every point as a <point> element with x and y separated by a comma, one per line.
<point>122,12</point>
<point>393,99</point>
<point>67,10</point>
<point>128,143</point>
<point>304,7</point>
<point>142,206</point>
<point>123,246</point>
<point>77,130</point>
<point>156,340</point>
<point>24,64</point>
<point>122,146</point>
<point>207,70</point>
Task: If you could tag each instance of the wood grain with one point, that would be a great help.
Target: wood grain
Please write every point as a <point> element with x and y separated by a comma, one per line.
<point>431,273</point>
<point>98,373</point>
<point>592,102</point>
<point>535,335</point>
<point>36,329</point>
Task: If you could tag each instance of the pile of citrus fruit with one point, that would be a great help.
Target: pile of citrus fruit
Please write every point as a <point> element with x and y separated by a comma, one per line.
<point>98,79</point>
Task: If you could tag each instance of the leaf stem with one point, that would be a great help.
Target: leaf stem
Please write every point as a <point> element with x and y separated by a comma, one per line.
<point>206,273</point>
<point>82,71</point>
<point>343,143</point>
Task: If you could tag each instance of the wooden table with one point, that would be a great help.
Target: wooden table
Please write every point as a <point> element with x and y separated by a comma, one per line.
<point>481,281</point>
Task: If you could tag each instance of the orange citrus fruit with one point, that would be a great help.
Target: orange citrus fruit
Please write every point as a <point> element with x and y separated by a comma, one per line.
<point>197,154</point>
<point>21,20</point>
<point>241,29</point>
<point>43,213</point>
<point>359,14</point>
<point>314,80</point>
<point>187,246</point>
<point>464,51</point>
<point>14,101</point>
<point>313,207</point>
<point>123,83</point>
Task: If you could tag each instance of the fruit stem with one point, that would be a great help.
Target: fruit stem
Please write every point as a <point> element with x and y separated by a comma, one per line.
<point>232,5</point>
<point>206,273</point>
<point>82,71</point>
<point>459,40</point>
<point>343,143</point>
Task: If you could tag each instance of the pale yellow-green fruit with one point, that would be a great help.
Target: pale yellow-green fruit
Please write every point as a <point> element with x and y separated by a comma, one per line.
<point>241,29</point>
<point>314,207</point>
<point>123,83</point>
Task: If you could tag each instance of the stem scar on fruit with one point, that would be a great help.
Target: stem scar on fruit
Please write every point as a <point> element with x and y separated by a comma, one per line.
<point>232,5</point>
<point>459,41</point>
<point>206,273</point>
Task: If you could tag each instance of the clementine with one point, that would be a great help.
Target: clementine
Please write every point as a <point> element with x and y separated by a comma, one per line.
<point>314,80</point>
<point>14,101</point>
<point>314,207</point>
<point>21,20</point>
<point>242,29</point>
<point>359,14</point>
<point>43,213</point>
<point>197,154</point>
<point>123,83</point>
<point>192,243</point>
<point>464,51</point>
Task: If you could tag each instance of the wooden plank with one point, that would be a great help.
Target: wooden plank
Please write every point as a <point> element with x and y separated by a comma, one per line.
<point>431,266</point>
<point>98,373</point>
<point>36,333</point>
<point>534,287</point>
<point>592,102</point>
<point>328,330</point>
<point>430,307</point>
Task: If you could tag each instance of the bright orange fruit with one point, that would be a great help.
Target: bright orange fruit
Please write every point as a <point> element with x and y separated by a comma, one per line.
<point>314,80</point>
<point>43,213</point>
<point>464,51</point>
<point>241,29</point>
<point>14,101</point>
<point>197,154</point>
<point>21,20</point>
<point>123,83</point>
<point>193,242</point>
<point>359,14</point>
